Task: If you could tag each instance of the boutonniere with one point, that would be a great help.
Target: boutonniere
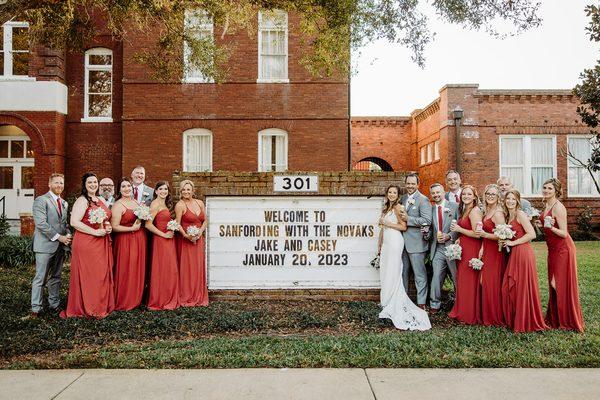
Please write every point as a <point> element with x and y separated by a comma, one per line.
<point>145,194</point>
<point>411,202</point>
<point>447,210</point>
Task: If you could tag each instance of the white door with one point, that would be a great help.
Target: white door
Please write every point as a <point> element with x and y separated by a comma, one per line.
<point>16,176</point>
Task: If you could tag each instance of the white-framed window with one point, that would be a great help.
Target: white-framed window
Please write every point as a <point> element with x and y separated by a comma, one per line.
<point>430,152</point>
<point>579,179</point>
<point>436,150</point>
<point>197,150</point>
<point>528,161</point>
<point>14,51</point>
<point>98,85</point>
<point>199,25</point>
<point>272,46</point>
<point>272,150</point>
<point>423,153</point>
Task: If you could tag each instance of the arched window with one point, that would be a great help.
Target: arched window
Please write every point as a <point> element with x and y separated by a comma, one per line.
<point>272,150</point>
<point>98,85</point>
<point>197,150</point>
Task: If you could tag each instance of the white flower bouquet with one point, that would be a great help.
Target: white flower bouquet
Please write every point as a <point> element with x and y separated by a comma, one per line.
<point>476,264</point>
<point>503,232</point>
<point>533,213</point>
<point>548,222</point>
<point>97,216</point>
<point>453,252</point>
<point>142,211</point>
<point>193,230</point>
<point>172,225</point>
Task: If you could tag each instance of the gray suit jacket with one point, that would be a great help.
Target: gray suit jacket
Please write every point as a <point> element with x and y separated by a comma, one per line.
<point>147,194</point>
<point>418,214</point>
<point>48,223</point>
<point>447,218</point>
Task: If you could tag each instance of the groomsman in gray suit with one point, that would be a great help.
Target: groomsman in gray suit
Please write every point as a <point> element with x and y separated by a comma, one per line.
<point>50,238</point>
<point>453,183</point>
<point>141,192</point>
<point>443,212</point>
<point>417,215</point>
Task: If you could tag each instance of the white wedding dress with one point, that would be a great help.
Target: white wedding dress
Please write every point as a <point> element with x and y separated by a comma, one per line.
<point>396,304</point>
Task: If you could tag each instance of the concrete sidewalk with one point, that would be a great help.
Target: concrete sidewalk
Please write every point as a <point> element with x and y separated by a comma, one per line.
<point>330,384</point>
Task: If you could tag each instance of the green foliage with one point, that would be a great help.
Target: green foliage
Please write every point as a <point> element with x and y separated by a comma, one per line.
<point>330,29</point>
<point>256,334</point>
<point>585,230</point>
<point>16,251</point>
<point>4,226</point>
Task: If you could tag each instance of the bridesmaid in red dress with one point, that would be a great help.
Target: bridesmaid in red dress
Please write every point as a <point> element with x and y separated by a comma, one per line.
<point>129,249</point>
<point>494,261</point>
<point>91,291</point>
<point>520,292</point>
<point>164,275</point>
<point>190,249</point>
<point>563,311</point>
<point>467,305</point>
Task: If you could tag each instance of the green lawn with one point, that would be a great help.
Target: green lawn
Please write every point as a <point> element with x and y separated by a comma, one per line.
<point>287,334</point>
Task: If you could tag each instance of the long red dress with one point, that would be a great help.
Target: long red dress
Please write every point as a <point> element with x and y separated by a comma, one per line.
<point>192,267</point>
<point>130,264</point>
<point>520,291</point>
<point>467,305</point>
<point>164,275</point>
<point>563,311</point>
<point>494,264</point>
<point>91,290</point>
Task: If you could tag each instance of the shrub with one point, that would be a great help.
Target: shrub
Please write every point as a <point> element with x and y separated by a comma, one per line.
<point>584,230</point>
<point>16,251</point>
<point>4,226</point>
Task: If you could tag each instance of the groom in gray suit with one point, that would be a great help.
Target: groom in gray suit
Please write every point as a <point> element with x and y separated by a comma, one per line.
<point>50,238</point>
<point>443,212</point>
<point>142,193</point>
<point>417,215</point>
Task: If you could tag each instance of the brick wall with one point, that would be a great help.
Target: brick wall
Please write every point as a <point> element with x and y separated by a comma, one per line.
<point>388,139</point>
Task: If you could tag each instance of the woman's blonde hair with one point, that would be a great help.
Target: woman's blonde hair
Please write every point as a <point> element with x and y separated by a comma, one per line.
<point>187,182</point>
<point>557,186</point>
<point>488,187</point>
<point>517,195</point>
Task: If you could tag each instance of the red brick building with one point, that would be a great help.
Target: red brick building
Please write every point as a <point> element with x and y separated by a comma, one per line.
<point>522,134</point>
<point>101,111</point>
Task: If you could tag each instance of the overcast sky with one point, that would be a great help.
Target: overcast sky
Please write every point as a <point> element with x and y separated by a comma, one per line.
<point>387,82</point>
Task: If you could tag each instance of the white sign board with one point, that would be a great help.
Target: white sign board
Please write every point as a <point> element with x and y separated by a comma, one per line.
<point>296,183</point>
<point>292,242</point>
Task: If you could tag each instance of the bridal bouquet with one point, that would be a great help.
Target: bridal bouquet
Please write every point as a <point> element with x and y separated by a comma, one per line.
<point>453,252</point>
<point>476,264</point>
<point>172,225</point>
<point>504,232</point>
<point>97,216</point>
<point>142,211</point>
<point>375,262</point>
<point>193,230</point>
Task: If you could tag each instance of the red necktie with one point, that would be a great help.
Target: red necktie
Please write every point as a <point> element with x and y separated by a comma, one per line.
<point>59,207</point>
<point>456,198</point>
<point>439,218</point>
<point>135,193</point>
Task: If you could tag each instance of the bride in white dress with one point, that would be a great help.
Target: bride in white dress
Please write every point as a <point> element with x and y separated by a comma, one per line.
<point>395,303</point>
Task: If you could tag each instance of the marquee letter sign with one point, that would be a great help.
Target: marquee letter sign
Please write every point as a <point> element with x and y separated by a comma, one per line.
<point>292,242</point>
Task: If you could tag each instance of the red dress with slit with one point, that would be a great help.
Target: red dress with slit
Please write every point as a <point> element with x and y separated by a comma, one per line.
<point>494,264</point>
<point>564,311</point>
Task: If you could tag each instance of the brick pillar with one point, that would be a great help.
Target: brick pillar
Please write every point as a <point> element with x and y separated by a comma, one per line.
<point>27,225</point>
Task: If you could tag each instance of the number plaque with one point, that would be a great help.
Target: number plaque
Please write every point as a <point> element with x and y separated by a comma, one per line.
<point>296,183</point>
